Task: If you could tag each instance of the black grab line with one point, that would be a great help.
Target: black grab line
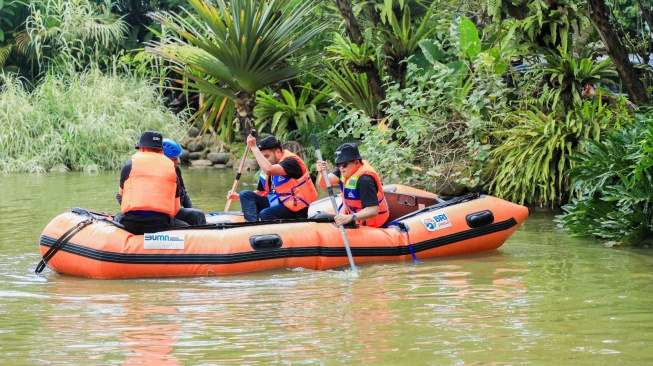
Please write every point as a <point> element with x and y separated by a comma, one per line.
<point>316,251</point>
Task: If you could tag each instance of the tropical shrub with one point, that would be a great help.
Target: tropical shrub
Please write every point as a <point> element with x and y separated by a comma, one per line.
<point>381,36</point>
<point>80,121</point>
<point>613,179</point>
<point>543,23</point>
<point>536,149</point>
<point>435,129</point>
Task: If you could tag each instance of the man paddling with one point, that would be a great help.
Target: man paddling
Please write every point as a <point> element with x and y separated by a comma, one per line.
<point>360,188</point>
<point>285,189</point>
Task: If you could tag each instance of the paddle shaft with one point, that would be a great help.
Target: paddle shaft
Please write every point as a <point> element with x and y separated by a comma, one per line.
<point>240,170</point>
<point>325,174</point>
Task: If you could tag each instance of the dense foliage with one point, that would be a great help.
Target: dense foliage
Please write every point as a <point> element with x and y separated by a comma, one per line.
<point>614,179</point>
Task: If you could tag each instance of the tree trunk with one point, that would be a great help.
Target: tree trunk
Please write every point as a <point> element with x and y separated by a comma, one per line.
<point>617,52</point>
<point>646,12</point>
<point>244,108</point>
<point>353,30</point>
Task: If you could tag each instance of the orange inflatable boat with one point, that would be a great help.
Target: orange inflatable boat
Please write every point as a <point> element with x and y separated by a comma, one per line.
<point>84,243</point>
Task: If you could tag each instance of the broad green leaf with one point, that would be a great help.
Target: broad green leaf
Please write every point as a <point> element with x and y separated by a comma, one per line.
<point>432,50</point>
<point>470,43</point>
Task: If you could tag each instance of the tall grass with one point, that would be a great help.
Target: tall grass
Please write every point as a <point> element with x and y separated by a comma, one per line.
<point>80,121</point>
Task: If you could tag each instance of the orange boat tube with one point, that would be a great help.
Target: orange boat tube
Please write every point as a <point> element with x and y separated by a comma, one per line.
<point>82,243</point>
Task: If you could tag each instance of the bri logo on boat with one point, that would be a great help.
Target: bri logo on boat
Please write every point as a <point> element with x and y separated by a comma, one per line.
<point>163,241</point>
<point>438,221</point>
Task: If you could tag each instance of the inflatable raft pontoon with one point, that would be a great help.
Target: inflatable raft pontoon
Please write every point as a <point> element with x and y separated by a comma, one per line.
<point>88,244</point>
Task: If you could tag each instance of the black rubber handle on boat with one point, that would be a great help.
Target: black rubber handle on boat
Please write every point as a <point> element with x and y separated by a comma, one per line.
<point>240,170</point>
<point>325,174</point>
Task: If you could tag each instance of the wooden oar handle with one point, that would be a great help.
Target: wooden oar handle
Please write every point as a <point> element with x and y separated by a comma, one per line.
<point>240,170</point>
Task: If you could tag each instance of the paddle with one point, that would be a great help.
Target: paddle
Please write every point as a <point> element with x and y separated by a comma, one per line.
<point>325,174</point>
<point>240,170</point>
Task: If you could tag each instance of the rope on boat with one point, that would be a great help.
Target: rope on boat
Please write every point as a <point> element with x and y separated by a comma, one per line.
<point>402,227</point>
<point>60,243</point>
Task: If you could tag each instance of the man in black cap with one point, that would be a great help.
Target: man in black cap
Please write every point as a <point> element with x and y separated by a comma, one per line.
<point>285,189</point>
<point>149,189</point>
<point>360,188</point>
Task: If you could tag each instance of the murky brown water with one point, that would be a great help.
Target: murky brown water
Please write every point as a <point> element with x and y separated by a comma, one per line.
<point>542,298</point>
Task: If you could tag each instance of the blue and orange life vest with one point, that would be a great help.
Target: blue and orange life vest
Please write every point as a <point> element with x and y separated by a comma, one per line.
<point>295,194</point>
<point>151,185</point>
<point>351,199</point>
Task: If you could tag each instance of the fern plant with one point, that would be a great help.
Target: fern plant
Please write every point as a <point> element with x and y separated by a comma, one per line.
<point>287,112</point>
<point>344,49</point>
<point>568,73</point>
<point>351,89</point>
<point>536,149</point>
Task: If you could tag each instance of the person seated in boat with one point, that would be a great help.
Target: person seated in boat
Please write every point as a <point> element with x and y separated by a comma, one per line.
<point>149,189</point>
<point>187,212</point>
<point>360,188</point>
<point>285,189</point>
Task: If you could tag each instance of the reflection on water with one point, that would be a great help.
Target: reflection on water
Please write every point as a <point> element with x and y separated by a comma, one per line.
<point>543,298</point>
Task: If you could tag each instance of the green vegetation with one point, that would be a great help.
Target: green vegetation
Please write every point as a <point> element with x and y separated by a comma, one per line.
<point>614,178</point>
<point>85,121</point>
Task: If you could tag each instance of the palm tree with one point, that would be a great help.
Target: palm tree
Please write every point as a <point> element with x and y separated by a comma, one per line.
<point>229,51</point>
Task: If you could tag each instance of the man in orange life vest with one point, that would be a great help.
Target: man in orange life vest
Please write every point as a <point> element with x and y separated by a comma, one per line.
<point>149,189</point>
<point>361,191</point>
<point>285,189</point>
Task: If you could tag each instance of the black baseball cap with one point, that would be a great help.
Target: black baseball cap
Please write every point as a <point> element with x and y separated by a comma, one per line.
<point>268,143</point>
<point>347,152</point>
<point>151,139</point>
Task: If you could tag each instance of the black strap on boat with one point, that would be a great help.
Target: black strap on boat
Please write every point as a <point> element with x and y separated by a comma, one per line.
<point>98,216</point>
<point>437,206</point>
<point>60,243</point>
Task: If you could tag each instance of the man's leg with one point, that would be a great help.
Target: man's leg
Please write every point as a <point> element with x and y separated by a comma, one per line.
<point>252,204</point>
<point>192,216</point>
<point>282,212</point>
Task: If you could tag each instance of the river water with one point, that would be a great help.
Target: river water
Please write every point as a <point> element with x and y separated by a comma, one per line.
<point>542,298</point>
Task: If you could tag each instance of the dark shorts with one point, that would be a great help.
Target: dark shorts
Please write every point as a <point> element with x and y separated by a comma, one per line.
<point>141,224</point>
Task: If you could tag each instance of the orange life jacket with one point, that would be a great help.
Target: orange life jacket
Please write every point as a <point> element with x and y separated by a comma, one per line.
<point>295,194</point>
<point>351,199</point>
<point>151,185</point>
